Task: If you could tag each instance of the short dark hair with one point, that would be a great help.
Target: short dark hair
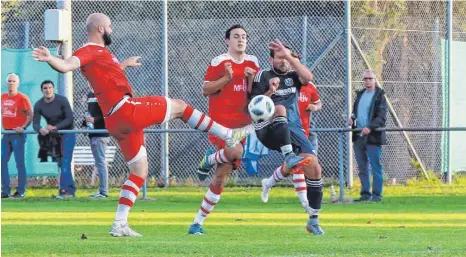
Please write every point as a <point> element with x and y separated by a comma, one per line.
<point>294,54</point>
<point>236,26</point>
<point>46,82</point>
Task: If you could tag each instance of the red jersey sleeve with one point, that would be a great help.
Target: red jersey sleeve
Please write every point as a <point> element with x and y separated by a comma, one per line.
<point>84,55</point>
<point>314,95</point>
<point>213,73</point>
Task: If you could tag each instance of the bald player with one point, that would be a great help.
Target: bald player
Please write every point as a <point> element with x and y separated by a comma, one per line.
<point>126,116</point>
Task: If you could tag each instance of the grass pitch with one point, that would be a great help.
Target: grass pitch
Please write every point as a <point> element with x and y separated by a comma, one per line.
<point>409,222</point>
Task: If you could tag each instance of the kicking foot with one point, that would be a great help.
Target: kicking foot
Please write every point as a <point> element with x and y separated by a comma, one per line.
<point>238,134</point>
<point>293,163</point>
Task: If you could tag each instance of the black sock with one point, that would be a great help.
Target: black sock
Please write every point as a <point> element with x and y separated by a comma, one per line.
<point>314,194</point>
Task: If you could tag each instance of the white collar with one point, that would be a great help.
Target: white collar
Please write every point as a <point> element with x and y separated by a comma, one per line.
<point>93,44</point>
<point>233,60</point>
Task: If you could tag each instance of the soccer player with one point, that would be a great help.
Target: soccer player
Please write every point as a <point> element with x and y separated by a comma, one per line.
<point>225,83</point>
<point>308,102</point>
<point>126,116</point>
<point>283,83</point>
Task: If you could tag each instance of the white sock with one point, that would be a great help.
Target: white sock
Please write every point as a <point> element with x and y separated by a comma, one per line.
<point>208,204</point>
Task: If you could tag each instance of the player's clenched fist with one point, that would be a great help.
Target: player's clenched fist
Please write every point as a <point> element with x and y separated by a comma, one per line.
<point>228,70</point>
<point>41,54</point>
<point>249,72</point>
<point>274,83</point>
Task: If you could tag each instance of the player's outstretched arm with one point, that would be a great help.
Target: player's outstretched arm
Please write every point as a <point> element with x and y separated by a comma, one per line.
<point>133,61</point>
<point>304,73</point>
<point>42,54</point>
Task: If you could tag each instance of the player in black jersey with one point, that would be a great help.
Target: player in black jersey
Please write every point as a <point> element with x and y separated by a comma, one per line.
<point>284,131</point>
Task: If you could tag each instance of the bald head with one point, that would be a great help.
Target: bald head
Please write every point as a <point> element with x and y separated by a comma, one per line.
<point>96,20</point>
<point>99,29</point>
<point>12,77</point>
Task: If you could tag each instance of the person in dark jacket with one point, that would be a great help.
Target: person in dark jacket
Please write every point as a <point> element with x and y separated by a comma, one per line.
<point>57,112</point>
<point>99,142</point>
<point>369,113</point>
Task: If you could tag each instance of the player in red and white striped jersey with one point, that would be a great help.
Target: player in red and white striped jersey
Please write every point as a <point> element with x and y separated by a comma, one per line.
<point>225,83</point>
<point>126,116</point>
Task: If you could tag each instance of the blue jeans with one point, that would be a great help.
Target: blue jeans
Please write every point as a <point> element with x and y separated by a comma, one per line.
<point>365,154</point>
<point>13,143</point>
<point>66,176</point>
<point>98,146</point>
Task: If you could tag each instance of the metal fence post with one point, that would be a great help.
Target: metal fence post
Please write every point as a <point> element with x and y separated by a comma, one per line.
<point>304,42</point>
<point>349,95</point>
<point>448,86</point>
<point>165,146</point>
<point>340,161</point>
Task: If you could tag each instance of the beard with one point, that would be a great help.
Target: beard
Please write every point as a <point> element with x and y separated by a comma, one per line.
<point>107,38</point>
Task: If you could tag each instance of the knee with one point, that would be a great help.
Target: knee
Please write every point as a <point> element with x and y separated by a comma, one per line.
<point>280,110</point>
<point>234,153</point>
<point>178,106</point>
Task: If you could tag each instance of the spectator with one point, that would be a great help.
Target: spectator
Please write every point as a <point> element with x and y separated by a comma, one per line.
<point>98,143</point>
<point>369,113</point>
<point>16,115</point>
<point>57,112</point>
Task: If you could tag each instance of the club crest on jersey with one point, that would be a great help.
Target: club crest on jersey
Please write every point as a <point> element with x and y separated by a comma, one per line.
<point>288,82</point>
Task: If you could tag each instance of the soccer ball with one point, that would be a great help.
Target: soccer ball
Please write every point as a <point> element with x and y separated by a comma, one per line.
<point>261,108</point>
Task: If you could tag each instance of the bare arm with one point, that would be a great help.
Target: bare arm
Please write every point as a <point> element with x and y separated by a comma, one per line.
<point>304,73</point>
<point>133,61</point>
<point>314,107</point>
<point>211,87</point>
<point>28,118</point>
<point>43,54</point>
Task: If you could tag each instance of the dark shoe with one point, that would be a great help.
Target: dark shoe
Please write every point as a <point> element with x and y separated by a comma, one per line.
<point>5,196</point>
<point>17,195</point>
<point>98,195</point>
<point>376,198</point>
<point>364,198</point>
<point>63,194</point>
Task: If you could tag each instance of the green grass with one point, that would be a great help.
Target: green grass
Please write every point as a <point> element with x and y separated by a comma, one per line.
<point>411,221</point>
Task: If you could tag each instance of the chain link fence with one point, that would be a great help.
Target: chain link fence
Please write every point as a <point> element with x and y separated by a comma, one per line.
<point>401,40</point>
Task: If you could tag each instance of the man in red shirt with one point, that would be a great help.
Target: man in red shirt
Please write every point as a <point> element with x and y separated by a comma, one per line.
<point>16,115</point>
<point>126,116</point>
<point>225,83</point>
<point>308,102</point>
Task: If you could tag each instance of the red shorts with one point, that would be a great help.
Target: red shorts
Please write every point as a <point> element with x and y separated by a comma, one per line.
<point>127,122</point>
<point>220,144</point>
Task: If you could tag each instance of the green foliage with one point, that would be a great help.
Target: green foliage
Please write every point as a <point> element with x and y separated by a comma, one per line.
<point>388,16</point>
<point>421,179</point>
<point>10,9</point>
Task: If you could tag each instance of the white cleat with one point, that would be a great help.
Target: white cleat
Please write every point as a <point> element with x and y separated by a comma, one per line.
<point>265,191</point>
<point>238,134</point>
<point>118,230</point>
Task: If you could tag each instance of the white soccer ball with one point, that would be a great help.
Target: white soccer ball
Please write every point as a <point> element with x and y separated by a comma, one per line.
<point>261,108</point>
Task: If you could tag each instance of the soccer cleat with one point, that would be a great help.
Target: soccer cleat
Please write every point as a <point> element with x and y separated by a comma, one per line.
<point>98,195</point>
<point>5,196</point>
<point>118,230</point>
<point>265,191</point>
<point>293,163</point>
<point>238,134</point>
<point>205,167</point>
<point>314,227</point>
<point>196,229</point>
